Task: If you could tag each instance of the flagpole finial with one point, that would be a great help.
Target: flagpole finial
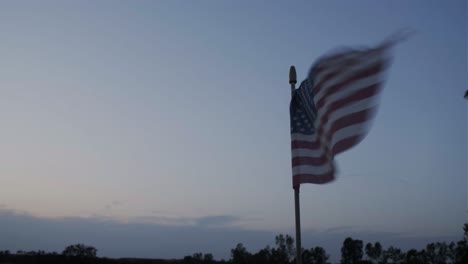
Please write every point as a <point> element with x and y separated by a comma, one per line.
<point>292,75</point>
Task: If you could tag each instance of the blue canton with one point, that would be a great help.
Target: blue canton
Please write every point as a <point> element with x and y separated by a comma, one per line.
<point>302,110</point>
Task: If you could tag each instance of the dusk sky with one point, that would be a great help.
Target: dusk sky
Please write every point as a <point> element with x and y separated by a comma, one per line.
<point>161,128</point>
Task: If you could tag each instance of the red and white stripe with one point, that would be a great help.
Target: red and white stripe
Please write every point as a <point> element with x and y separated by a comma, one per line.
<point>345,92</point>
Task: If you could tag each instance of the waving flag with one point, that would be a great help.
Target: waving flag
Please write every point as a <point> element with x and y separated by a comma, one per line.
<point>332,110</point>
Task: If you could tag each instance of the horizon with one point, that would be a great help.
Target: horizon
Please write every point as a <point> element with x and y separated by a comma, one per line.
<point>175,115</point>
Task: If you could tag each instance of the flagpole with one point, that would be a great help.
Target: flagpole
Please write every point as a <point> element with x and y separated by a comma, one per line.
<point>297,208</point>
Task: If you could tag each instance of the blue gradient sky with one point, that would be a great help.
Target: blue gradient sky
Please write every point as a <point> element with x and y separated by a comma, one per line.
<point>175,112</point>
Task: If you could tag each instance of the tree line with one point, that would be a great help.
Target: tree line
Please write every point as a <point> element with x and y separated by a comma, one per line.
<point>353,251</point>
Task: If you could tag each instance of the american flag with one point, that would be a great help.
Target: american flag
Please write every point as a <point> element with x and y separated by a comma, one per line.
<point>332,110</point>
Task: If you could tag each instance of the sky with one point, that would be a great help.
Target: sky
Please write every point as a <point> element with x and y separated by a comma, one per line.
<point>161,128</point>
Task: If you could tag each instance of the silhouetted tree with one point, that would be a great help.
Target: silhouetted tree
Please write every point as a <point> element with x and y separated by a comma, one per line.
<point>306,256</point>
<point>374,252</point>
<point>284,251</point>
<point>5,256</point>
<point>188,260</point>
<point>80,250</point>
<point>31,253</point>
<point>437,252</point>
<point>197,257</point>
<point>465,231</point>
<point>262,257</point>
<point>462,246</point>
<point>316,255</point>
<point>393,255</point>
<point>240,255</point>
<point>351,251</point>
<point>457,252</point>
<point>414,257</point>
<point>207,258</point>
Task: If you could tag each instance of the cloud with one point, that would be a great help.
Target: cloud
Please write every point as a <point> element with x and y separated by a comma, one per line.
<point>147,239</point>
<point>206,221</point>
<point>113,204</point>
<point>163,220</point>
<point>170,238</point>
<point>338,228</point>
<point>217,220</point>
<point>117,203</point>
